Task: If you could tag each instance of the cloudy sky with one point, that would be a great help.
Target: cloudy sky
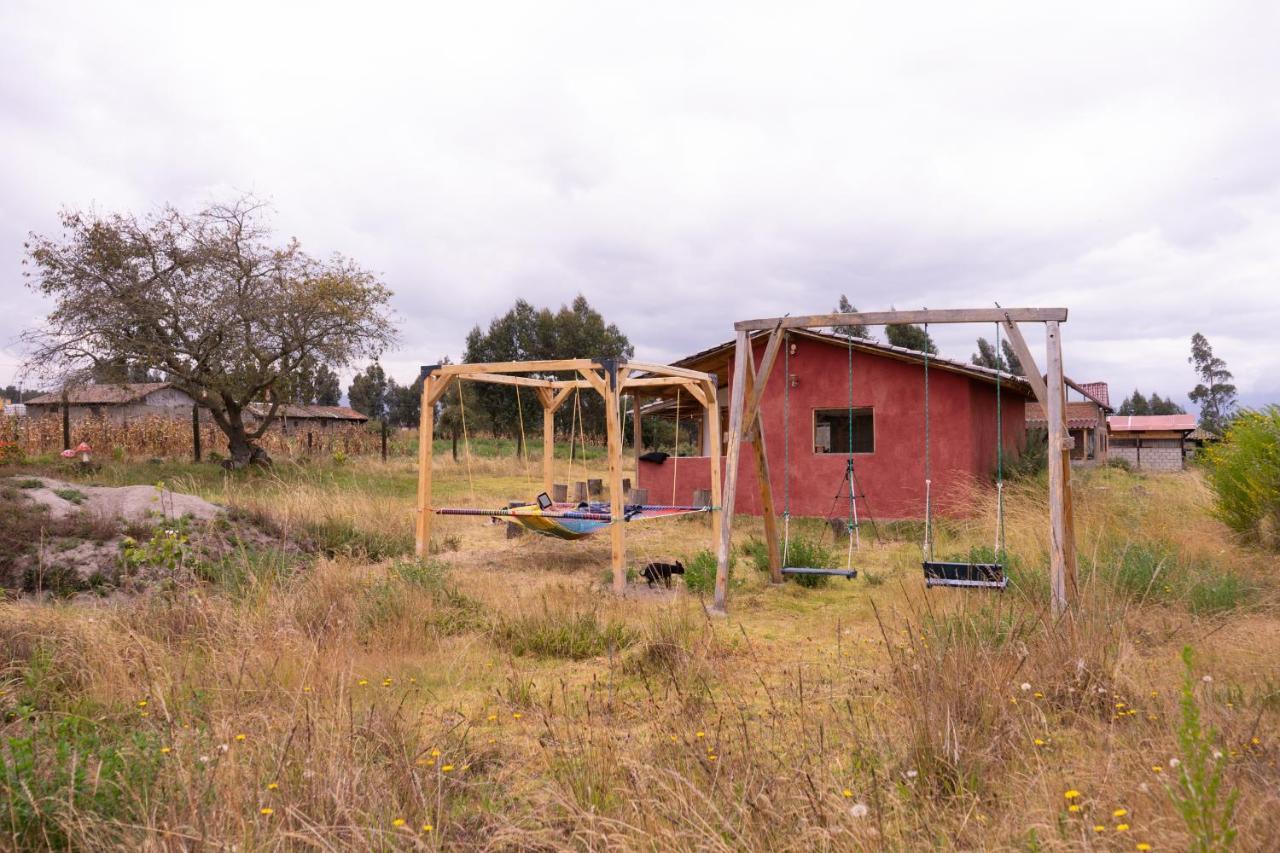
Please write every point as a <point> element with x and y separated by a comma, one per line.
<point>688,164</point>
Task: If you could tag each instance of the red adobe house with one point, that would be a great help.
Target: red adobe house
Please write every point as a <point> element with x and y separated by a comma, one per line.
<point>888,401</point>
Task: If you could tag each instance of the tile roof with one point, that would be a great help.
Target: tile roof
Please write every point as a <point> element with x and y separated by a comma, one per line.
<point>110,394</point>
<point>291,410</point>
<point>1080,415</point>
<point>1152,423</point>
<point>1098,391</point>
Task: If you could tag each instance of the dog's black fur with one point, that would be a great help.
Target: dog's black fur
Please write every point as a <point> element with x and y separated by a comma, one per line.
<point>662,572</point>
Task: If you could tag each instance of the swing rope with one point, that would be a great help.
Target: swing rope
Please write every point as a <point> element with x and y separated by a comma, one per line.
<point>852,521</point>
<point>573,422</point>
<point>524,444</point>
<point>675,454</point>
<point>466,439</point>
<point>786,447</point>
<point>928,471</point>
<point>999,548</point>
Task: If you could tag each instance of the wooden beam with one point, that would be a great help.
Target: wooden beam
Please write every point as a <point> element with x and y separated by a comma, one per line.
<point>1028,362</point>
<point>426,438</point>
<point>503,379</point>
<point>886,318</point>
<point>668,370</point>
<point>1061,575</point>
<point>694,390</point>
<point>544,366</point>
<point>596,381</point>
<point>613,431</point>
<point>713,422</point>
<point>766,367</point>
<point>737,400</point>
<point>548,439</point>
<point>438,385</point>
<point>756,428</point>
<point>561,395</point>
<point>658,381</point>
<point>568,383</point>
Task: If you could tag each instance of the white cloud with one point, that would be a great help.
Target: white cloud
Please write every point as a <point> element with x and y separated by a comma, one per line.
<point>685,165</point>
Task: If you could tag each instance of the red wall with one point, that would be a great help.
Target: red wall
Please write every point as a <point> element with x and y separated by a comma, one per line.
<point>962,426</point>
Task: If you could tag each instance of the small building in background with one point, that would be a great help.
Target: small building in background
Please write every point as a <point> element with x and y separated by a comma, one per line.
<point>116,403</point>
<point>1151,442</point>
<point>291,417</point>
<point>1086,420</point>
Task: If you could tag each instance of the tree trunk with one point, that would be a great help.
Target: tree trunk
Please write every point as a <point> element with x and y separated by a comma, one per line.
<point>455,447</point>
<point>243,450</point>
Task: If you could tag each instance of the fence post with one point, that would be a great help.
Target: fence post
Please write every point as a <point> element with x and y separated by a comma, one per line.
<point>195,429</point>
<point>66,424</point>
<point>384,439</point>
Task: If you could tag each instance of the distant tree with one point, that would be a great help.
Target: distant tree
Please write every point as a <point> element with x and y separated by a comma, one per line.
<point>1164,405</point>
<point>910,337</point>
<point>857,330</point>
<point>523,333</point>
<point>16,395</point>
<point>368,392</point>
<point>120,370</point>
<point>312,384</point>
<point>1215,394</point>
<point>404,403</point>
<point>209,299</point>
<point>459,409</point>
<point>1135,404</point>
<point>1006,362</point>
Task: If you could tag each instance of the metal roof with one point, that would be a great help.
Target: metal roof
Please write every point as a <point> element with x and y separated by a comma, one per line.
<point>106,394</point>
<point>1152,423</point>
<point>292,410</point>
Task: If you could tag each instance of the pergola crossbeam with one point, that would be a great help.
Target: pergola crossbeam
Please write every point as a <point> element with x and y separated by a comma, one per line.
<point>894,318</point>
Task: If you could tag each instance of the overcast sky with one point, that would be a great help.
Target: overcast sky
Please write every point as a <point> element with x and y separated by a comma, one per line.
<point>688,164</point>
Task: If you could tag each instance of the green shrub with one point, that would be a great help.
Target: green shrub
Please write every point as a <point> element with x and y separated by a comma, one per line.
<point>1034,458</point>
<point>1147,572</point>
<point>810,553</point>
<point>700,571</point>
<point>74,496</point>
<point>1244,472</point>
<point>556,633</point>
<point>30,483</point>
<point>1216,592</point>
<point>1205,807</point>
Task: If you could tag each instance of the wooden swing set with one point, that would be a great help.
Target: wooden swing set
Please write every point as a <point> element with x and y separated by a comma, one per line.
<point>613,379</point>
<point>746,424</point>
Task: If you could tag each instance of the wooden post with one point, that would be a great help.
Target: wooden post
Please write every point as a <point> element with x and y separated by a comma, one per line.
<point>737,396</point>
<point>384,439</point>
<point>66,423</point>
<point>713,419</point>
<point>426,436</point>
<point>1061,574</point>
<point>195,430</point>
<point>613,432</point>
<point>756,429</point>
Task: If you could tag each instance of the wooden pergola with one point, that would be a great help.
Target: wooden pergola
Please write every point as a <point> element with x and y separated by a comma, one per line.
<point>613,379</point>
<point>746,424</point>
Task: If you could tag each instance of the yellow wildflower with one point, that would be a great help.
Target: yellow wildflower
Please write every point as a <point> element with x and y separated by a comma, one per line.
<point>362,682</point>
<point>446,768</point>
<point>1072,794</point>
<point>267,811</point>
<point>426,827</point>
<point>1122,827</point>
<point>398,822</point>
<point>273,786</point>
<point>847,793</point>
<point>1074,808</point>
<point>1097,827</point>
<point>1142,845</point>
<point>1119,812</point>
<point>701,734</point>
<point>142,703</point>
<point>240,738</point>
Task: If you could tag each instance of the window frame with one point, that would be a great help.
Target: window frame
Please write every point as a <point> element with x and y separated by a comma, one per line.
<point>843,410</point>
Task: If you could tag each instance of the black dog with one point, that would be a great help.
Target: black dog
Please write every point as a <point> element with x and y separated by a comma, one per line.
<point>662,572</point>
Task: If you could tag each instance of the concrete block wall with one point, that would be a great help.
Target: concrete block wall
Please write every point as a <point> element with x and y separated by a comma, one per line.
<point>1153,458</point>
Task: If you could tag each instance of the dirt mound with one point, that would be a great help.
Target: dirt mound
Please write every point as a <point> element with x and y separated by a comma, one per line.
<point>129,503</point>
<point>63,538</point>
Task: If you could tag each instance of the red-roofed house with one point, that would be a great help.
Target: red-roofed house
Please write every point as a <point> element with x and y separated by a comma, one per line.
<point>1086,420</point>
<point>1151,442</point>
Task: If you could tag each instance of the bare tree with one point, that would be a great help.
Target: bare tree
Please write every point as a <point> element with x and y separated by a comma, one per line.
<point>207,300</point>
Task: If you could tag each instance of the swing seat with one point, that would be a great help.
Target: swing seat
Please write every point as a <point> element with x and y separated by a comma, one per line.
<point>965,575</point>
<point>847,574</point>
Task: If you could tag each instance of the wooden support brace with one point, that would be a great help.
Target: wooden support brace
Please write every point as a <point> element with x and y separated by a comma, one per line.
<point>756,428</point>
<point>737,399</point>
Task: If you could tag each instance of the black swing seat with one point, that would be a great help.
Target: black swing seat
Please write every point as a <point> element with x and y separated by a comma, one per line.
<point>847,574</point>
<point>979,575</point>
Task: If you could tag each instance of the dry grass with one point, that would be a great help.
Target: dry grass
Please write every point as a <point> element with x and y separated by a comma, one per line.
<point>501,697</point>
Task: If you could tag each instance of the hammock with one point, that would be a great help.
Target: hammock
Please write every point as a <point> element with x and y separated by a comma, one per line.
<point>572,521</point>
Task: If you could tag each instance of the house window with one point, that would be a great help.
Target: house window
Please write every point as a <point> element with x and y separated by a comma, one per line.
<point>831,431</point>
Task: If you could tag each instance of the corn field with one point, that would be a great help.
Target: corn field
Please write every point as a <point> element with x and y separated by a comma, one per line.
<point>164,438</point>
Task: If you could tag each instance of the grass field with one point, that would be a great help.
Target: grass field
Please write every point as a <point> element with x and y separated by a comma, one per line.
<point>497,696</point>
